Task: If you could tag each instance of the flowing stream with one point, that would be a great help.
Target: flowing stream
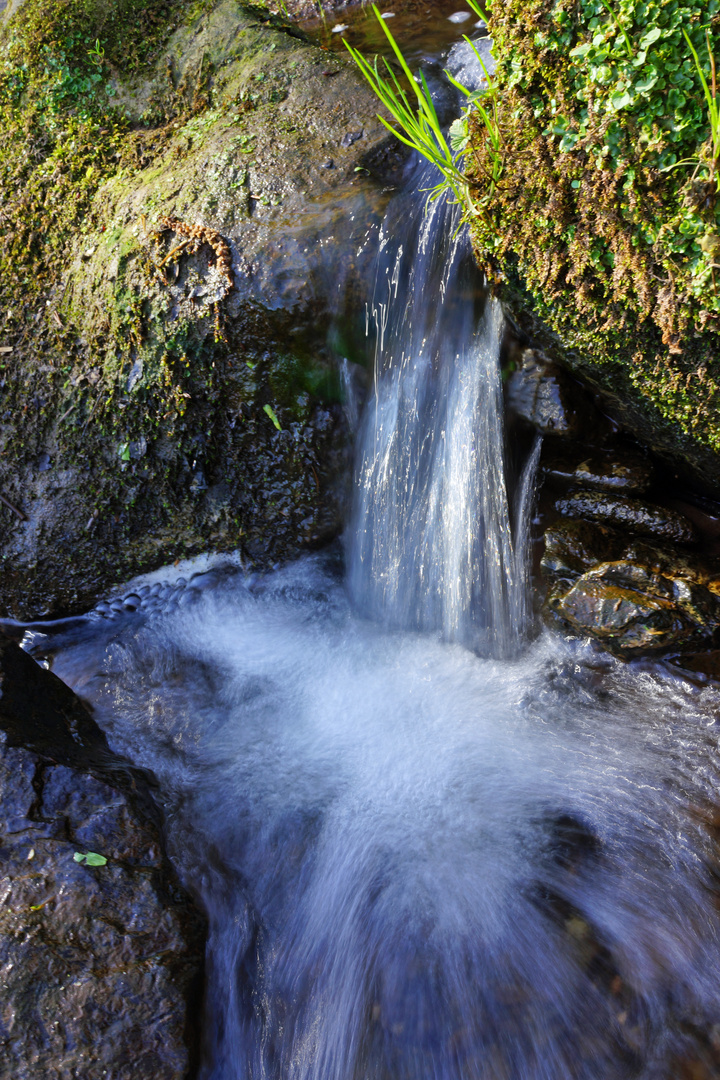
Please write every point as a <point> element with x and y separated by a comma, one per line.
<point>428,849</point>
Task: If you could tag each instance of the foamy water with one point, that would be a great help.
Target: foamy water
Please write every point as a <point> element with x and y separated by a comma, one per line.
<point>417,862</point>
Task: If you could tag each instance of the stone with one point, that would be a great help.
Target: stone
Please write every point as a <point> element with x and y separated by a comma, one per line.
<point>636,596</point>
<point>632,515</point>
<point>572,547</point>
<point>100,964</point>
<point>632,610</point>
<point>203,359</point>
<point>629,475</point>
<point>547,397</point>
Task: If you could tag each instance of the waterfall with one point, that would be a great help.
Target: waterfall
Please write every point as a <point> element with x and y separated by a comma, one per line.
<point>421,860</point>
<point>430,544</point>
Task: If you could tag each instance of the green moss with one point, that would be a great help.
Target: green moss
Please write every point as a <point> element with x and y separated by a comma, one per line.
<point>608,231</point>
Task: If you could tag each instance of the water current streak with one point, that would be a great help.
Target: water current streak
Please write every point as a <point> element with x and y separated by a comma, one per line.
<point>431,545</point>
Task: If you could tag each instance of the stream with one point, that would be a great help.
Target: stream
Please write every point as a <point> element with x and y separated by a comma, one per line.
<point>433,843</point>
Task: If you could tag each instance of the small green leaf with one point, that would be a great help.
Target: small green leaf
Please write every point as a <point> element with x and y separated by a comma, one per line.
<point>458,134</point>
<point>271,413</point>
<point>621,100</point>
<point>652,36</point>
<point>91,858</point>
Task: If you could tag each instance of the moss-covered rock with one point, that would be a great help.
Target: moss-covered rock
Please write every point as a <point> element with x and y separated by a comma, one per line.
<point>156,401</point>
<point>602,230</point>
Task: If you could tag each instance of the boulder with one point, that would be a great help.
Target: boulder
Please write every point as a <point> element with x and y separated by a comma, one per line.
<point>101,950</point>
<point>176,377</point>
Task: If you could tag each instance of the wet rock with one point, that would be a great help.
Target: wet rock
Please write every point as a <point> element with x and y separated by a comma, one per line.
<point>204,356</point>
<point>549,399</point>
<point>633,610</point>
<point>572,547</point>
<point>631,515</point>
<point>634,595</point>
<point>632,476</point>
<point>350,137</point>
<point>100,964</point>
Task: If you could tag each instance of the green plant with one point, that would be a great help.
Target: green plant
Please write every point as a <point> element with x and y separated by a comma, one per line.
<point>417,124</point>
<point>90,858</point>
<point>710,93</point>
<point>595,225</point>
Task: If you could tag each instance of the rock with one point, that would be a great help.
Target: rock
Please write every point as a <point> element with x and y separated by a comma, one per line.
<point>633,610</point>
<point>188,362</point>
<point>100,964</point>
<point>635,516</point>
<point>629,475</point>
<point>635,596</point>
<point>545,396</point>
<point>572,547</point>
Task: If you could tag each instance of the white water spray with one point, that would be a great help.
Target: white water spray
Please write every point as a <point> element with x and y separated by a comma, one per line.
<point>421,863</point>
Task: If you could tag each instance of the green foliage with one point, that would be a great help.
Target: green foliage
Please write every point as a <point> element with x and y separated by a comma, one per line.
<point>416,121</point>
<point>611,205</point>
<point>269,411</point>
<point>90,858</point>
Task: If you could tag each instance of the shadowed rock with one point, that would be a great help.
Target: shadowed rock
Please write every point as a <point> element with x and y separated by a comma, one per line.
<point>100,963</point>
<point>632,515</point>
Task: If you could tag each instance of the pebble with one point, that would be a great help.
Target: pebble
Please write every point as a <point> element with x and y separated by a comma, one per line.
<point>459,17</point>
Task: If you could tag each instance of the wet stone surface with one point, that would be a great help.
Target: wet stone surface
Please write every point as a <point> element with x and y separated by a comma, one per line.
<point>633,595</point>
<point>631,476</point>
<point>100,964</point>
<point>547,397</point>
<point>632,515</point>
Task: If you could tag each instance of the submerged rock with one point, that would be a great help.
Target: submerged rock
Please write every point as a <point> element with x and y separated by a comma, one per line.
<point>100,962</point>
<point>645,519</point>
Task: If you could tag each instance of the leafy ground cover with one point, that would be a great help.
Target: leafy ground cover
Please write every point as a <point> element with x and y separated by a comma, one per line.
<point>608,209</point>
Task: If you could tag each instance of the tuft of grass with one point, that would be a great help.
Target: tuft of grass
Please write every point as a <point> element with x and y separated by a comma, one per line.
<point>408,100</point>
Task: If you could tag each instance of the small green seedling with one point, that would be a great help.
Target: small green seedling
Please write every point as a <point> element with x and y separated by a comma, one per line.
<point>90,858</point>
<point>271,413</point>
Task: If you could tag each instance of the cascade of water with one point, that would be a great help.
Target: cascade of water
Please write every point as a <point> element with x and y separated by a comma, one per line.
<point>430,545</point>
<point>418,863</point>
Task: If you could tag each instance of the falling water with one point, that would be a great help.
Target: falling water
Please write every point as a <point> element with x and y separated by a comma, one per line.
<point>431,545</point>
<point>421,860</point>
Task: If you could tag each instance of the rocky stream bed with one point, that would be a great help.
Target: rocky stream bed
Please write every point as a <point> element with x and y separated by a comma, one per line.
<point>180,365</point>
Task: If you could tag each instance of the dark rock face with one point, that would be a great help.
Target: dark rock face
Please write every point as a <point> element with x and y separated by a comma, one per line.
<point>635,516</point>
<point>99,964</point>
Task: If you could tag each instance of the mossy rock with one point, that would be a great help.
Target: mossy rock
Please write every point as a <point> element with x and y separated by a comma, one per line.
<point>601,234</point>
<point>149,410</point>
